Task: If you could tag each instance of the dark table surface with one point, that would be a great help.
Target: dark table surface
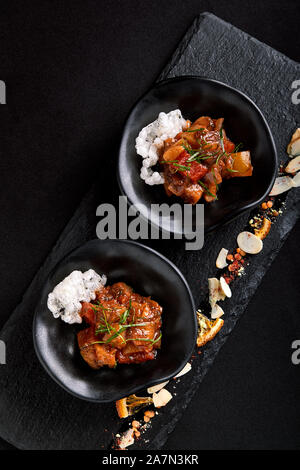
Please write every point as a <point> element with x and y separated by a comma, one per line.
<point>72,71</point>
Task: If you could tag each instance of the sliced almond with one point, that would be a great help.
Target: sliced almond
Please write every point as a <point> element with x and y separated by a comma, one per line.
<point>249,243</point>
<point>293,148</point>
<point>293,166</point>
<point>156,388</point>
<point>215,291</point>
<point>126,439</point>
<point>296,180</point>
<point>225,287</point>
<point>161,398</point>
<point>216,312</point>
<point>184,371</point>
<point>221,259</point>
<point>282,184</point>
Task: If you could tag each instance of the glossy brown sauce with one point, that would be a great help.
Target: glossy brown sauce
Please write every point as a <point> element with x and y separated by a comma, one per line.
<point>124,327</point>
<point>197,160</point>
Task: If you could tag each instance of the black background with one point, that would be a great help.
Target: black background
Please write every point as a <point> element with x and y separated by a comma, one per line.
<point>73,70</point>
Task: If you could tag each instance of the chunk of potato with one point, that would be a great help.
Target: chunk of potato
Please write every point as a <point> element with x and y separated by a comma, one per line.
<point>241,164</point>
<point>172,153</point>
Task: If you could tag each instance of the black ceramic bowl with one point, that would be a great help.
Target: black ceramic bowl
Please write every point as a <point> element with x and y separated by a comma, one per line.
<point>244,123</point>
<point>150,274</point>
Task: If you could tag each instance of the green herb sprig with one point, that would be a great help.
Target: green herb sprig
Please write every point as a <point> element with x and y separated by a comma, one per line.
<point>222,139</point>
<point>126,313</point>
<point>106,327</point>
<point>195,130</point>
<point>207,190</point>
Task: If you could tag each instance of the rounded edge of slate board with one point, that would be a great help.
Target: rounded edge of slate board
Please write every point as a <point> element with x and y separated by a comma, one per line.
<point>149,273</point>
<point>244,122</point>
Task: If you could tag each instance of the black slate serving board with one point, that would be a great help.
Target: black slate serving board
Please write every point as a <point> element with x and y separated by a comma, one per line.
<point>35,412</point>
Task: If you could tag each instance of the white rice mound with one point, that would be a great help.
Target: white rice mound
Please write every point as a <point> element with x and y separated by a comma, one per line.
<point>151,139</point>
<point>65,299</point>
